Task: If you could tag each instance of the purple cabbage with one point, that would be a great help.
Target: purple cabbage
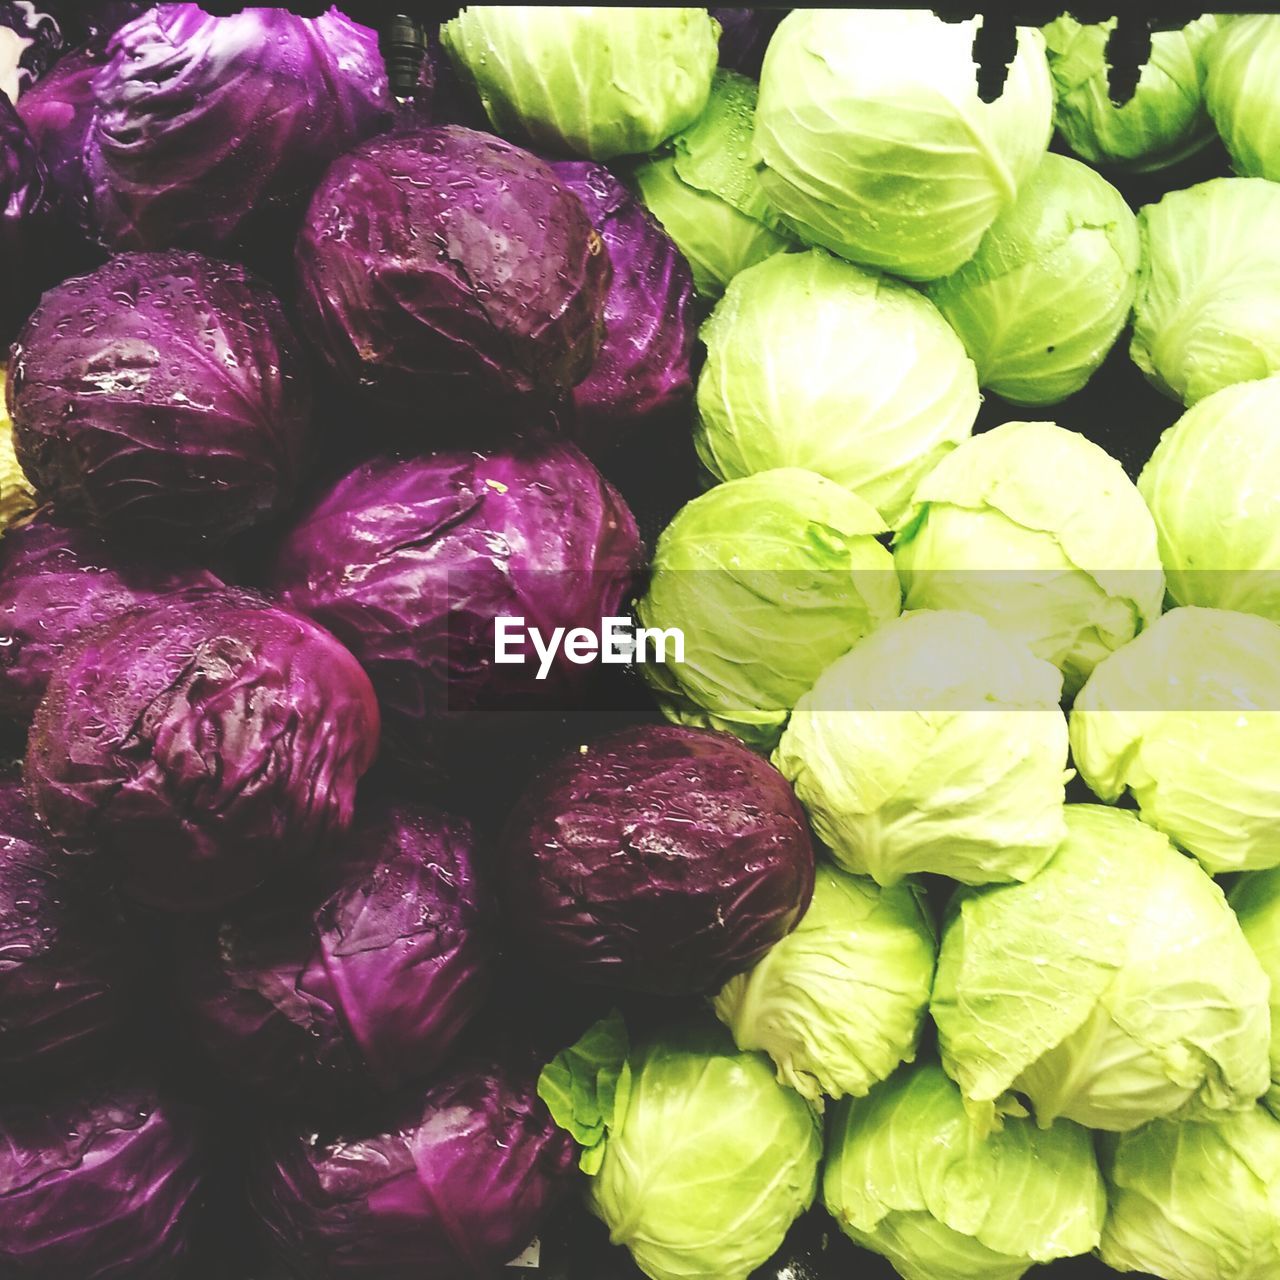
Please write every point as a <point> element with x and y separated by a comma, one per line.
<point>454,1185</point>
<point>30,40</point>
<point>745,35</point>
<point>26,239</point>
<point>93,21</point>
<point>105,1186</point>
<point>442,266</point>
<point>660,859</point>
<point>370,977</point>
<point>198,744</point>
<point>58,582</point>
<point>161,394</point>
<point>409,561</point>
<point>58,112</point>
<point>66,964</point>
<point>643,369</point>
<point>209,129</point>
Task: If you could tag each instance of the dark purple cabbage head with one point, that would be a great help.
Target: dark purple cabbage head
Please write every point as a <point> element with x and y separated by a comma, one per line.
<point>210,129</point>
<point>26,222</point>
<point>58,581</point>
<point>366,976</point>
<point>163,394</point>
<point>57,112</point>
<point>442,266</point>
<point>745,35</point>
<point>453,1185</point>
<point>199,744</point>
<point>105,1185</point>
<point>657,858</point>
<point>642,370</point>
<point>409,561</point>
<point>66,964</point>
<point>30,40</point>
<point>442,96</point>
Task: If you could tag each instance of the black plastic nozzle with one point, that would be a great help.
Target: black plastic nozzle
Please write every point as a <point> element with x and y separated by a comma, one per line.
<point>403,41</point>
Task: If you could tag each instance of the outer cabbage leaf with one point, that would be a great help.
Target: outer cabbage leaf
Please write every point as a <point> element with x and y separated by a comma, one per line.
<point>1112,988</point>
<point>67,967</point>
<point>909,1176</point>
<point>198,744</point>
<point>1256,901</point>
<point>768,578</point>
<point>656,858</point>
<point>872,140</point>
<point>103,1186</point>
<point>1195,1201</point>
<point>454,1182</point>
<point>815,363</point>
<point>442,265</point>
<point>643,368</point>
<point>1162,123</point>
<point>210,132</point>
<point>712,1161</point>
<point>58,582</point>
<point>596,82</point>
<point>366,973</point>
<point>1039,531</point>
<point>409,561</point>
<point>1242,94</point>
<point>163,394</point>
<point>1187,719</point>
<point>1213,486</point>
<point>839,1003</point>
<point>936,744</point>
<point>1204,316</point>
<point>1041,303</point>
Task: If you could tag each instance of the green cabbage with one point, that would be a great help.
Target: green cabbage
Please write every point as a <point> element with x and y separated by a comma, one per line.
<point>1213,486</point>
<point>840,1002</point>
<point>1041,532</point>
<point>1256,900</point>
<point>769,578</point>
<point>910,1176</point>
<point>936,744</point>
<point>813,362</point>
<point>1205,315</point>
<point>597,82</point>
<point>1165,121</point>
<point>17,498</point>
<point>1051,286</point>
<point>707,1160</point>
<point>1243,93</point>
<point>1187,719</point>
<point>1113,988</point>
<point>1195,1201</point>
<point>872,140</point>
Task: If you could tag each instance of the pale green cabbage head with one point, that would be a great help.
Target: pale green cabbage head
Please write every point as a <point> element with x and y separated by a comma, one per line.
<point>1243,92</point>
<point>872,140</point>
<point>1213,486</point>
<point>707,194</point>
<point>700,1159</point>
<point>769,578</point>
<point>1187,720</point>
<point>1113,988</point>
<point>935,744</point>
<point>839,1002</point>
<point>910,1176</point>
<point>17,498</point>
<point>1195,1201</point>
<point>593,81</point>
<point>1040,531</point>
<point>1045,297</point>
<point>1256,900</point>
<point>1165,121</point>
<point>1205,315</point>
<point>813,362</point>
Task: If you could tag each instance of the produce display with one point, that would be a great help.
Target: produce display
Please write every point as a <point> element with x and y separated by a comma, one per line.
<point>638,643</point>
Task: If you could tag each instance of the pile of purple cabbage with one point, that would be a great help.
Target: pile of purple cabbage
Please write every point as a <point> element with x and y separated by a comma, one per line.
<point>308,386</point>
